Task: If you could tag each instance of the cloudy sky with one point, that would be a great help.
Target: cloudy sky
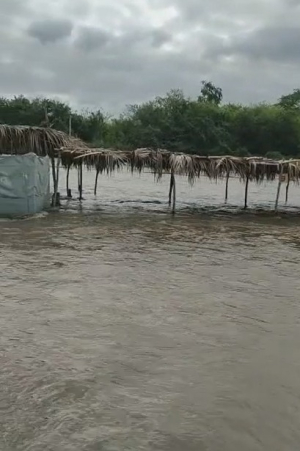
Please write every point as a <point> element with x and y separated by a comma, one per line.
<point>106,54</point>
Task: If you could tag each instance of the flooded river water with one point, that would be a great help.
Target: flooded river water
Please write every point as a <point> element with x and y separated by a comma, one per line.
<point>124,328</point>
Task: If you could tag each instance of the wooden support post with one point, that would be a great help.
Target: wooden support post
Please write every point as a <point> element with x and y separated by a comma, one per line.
<point>57,170</point>
<point>278,188</point>
<point>287,188</point>
<point>96,181</point>
<point>171,188</point>
<point>80,182</point>
<point>69,193</point>
<point>246,193</point>
<point>54,197</point>
<point>56,200</point>
<point>174,196</point>
<point>226,188</point>
<point>53,172</point>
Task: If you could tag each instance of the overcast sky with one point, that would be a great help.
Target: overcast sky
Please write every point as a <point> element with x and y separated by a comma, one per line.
<point>106,54</point>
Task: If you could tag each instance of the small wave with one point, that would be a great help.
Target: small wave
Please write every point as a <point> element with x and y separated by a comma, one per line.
<point>137,201</point>
<point>40,215</point>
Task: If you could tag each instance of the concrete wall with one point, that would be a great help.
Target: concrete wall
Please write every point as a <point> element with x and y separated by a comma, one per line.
<point>24,184</point>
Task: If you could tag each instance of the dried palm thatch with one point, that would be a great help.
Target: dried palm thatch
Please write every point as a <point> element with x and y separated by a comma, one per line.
<point>290,173</point>
<point>261,169</point>
<point>22,139</point>
<point>292,169</point>
<point>253,168</point>
<point>143,158</point>
<point>224,166</point>
<point>69,155</point>
<point>162,161</point>
<point>193,166</point>
<point>103,160</point>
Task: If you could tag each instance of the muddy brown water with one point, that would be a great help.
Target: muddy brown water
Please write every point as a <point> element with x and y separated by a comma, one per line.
<point>123,328</point>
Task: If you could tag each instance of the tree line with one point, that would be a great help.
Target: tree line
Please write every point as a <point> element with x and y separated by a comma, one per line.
<point>204,125</point>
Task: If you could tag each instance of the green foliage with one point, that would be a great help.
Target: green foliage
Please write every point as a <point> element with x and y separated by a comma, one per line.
<point>210,93</point>
<point>274,156</point>
<point>290,101</point>
<point>204,125</point>
<point>89,126</point>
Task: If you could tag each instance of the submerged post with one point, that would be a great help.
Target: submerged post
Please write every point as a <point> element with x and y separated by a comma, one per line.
<point>56,194</point>
<point>174,195</point>
<point>278,188</point>
<point>96,182</point>
<point>246,193</point>
<point>226,188</point>
<point>287,188</point>
<point>55,174</point>
<point>171,188</point>
<point>69,193</point>
<point>57,170</point>
<point>80,181</point>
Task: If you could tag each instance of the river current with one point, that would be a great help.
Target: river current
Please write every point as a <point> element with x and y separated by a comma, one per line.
<point>125,328</point>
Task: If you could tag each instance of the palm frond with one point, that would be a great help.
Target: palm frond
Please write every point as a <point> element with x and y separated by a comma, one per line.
<point>21,139</point>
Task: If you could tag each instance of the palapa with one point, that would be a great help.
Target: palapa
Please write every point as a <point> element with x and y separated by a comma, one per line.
<point>72,152</point>
<point>162,162</point>
<point>21,139</point>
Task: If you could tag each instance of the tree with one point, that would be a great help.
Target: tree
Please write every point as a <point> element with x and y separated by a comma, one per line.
<point>291,101</point>
<point>210,93</point>
<point>175,122</point>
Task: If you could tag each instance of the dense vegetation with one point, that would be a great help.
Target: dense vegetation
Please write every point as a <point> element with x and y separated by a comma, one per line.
<point>204,125</point>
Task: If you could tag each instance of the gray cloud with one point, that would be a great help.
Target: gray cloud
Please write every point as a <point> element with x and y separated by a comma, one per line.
<point>272,43</point>
<point>293,3</point>
<point>91,38</point>
<point>50,30</point>
<point>128,51</point>
<point>160,37</point>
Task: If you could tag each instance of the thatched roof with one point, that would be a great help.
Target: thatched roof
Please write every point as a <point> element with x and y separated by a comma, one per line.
<point>21,139</point>
<point>48,141</point>
<point>193,166</point>
<point>100,159</point>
